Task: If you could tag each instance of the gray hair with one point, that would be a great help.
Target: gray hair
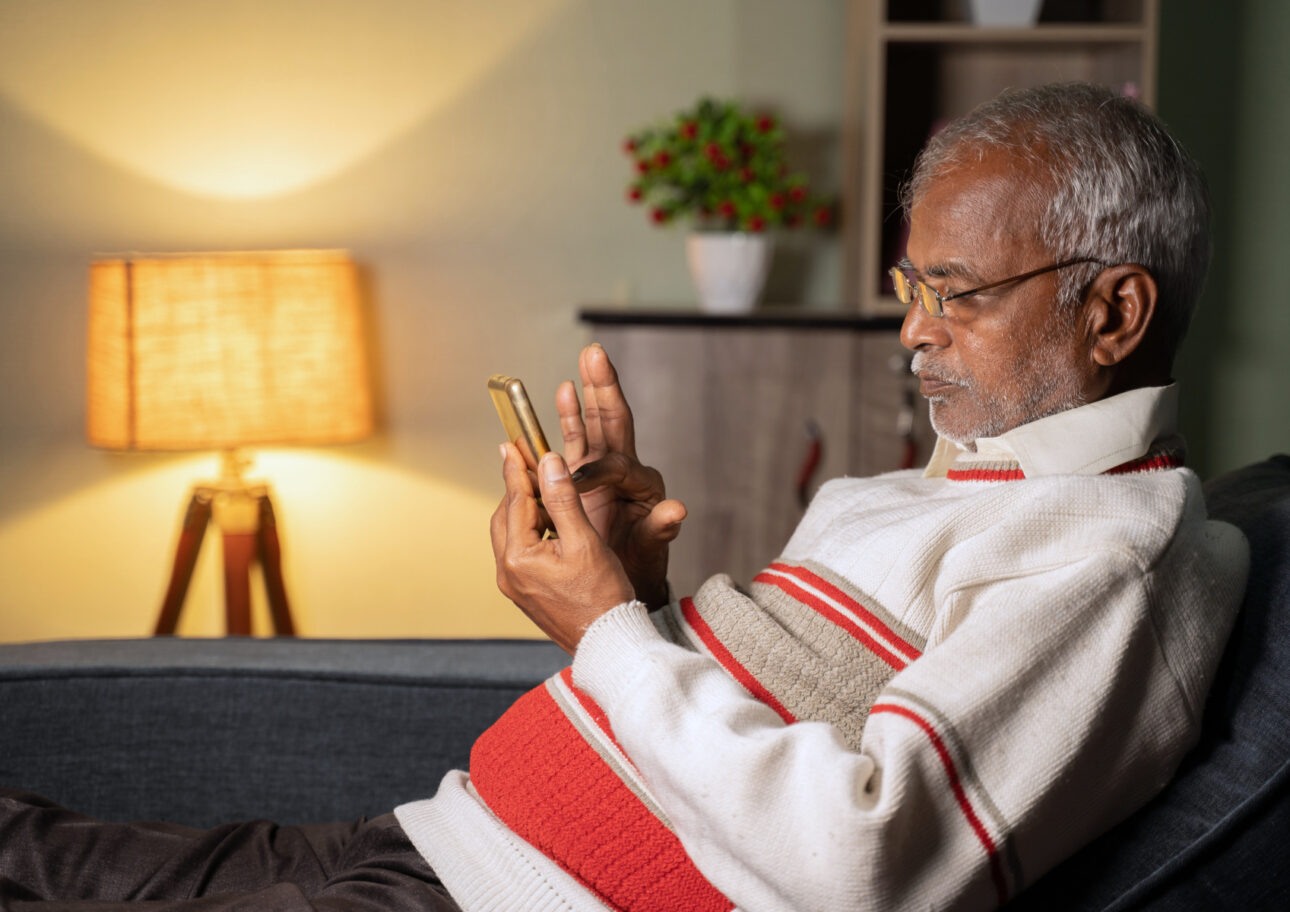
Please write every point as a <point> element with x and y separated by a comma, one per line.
<point>1122,189</point>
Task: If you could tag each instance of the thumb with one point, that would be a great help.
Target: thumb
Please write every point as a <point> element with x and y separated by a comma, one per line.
<point>664,522</point>
<point>561,499</point>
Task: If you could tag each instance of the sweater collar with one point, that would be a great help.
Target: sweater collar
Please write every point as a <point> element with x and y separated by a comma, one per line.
<point>1106,435</point>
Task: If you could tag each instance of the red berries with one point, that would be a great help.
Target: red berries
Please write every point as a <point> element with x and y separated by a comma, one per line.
<point>723,168</point>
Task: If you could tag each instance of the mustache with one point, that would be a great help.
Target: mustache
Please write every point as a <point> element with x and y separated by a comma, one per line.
<point>927,367</point>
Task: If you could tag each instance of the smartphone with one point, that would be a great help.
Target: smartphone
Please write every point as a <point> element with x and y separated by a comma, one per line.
<point>518,418</point>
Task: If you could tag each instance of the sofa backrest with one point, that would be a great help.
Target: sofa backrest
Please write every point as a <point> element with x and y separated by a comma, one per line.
<point>204,731</point>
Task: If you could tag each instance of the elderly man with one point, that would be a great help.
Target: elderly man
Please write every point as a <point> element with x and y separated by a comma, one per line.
<point>948,681</point>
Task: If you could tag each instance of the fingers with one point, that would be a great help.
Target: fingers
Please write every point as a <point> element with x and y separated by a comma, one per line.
<point>608,417</point>
<point>497,530</point>
<point>572,429</point>
<point>663,523</point>
<point>632,480</point>
<point>562,585</point>
<point>599,472</point>
<point>562,502</point>
<point>521,520</point>
<point>497,523</point>
<point>594,433</point>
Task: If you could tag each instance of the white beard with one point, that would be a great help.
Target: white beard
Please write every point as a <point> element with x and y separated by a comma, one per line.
<point>1039,387</point>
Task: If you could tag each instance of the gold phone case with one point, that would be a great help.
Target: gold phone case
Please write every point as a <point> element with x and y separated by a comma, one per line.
<point>518,418</point>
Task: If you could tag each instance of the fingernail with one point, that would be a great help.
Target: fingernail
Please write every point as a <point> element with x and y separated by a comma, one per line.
<point>501,448</point>
<point>552,467</point>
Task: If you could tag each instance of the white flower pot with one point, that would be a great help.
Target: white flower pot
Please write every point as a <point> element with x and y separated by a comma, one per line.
<point>1005,12</point>
<point>728,268</point>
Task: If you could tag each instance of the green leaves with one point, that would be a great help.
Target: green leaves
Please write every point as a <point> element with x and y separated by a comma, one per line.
<point>722,167</point>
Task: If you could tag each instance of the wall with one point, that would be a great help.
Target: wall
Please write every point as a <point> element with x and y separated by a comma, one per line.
<point>466,153</point>
<point>1225,88</point>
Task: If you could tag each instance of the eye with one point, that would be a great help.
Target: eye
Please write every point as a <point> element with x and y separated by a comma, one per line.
<point>944,285</point>
<point>944,290</point>
<point>962,310</point>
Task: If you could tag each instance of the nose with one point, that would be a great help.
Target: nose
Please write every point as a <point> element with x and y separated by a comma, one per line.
<point>921,329</point>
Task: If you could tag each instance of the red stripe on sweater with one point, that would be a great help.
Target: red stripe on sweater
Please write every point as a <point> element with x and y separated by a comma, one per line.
<point>806,598</point>
<point>729,662</point>
<point>1149,463</point>
<point>985,475</point>
<point>818,582</point>
<point>535,771</point>
<point>956,786</point>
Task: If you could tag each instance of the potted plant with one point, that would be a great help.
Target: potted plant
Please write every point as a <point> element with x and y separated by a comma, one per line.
<point>724,170</point>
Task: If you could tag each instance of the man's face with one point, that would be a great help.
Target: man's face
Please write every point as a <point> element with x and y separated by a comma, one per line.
<point>1006,356</point>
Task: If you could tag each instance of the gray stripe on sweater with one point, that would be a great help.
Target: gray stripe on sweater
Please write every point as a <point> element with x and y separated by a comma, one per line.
<point>817,670</point>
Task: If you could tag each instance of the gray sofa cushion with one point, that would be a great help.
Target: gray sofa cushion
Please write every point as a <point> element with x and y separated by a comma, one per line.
<point>206,731</point>
<point>1216,837</point>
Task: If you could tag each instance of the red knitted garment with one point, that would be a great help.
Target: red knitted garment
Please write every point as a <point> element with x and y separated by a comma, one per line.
<point>545,780</point>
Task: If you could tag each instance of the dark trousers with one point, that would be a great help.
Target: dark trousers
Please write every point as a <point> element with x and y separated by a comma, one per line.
<point>54,859</point>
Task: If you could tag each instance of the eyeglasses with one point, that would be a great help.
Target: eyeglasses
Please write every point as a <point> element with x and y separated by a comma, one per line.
<point>934,303</point>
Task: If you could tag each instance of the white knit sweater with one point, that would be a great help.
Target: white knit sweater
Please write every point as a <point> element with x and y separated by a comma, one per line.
<point>1051,631</point>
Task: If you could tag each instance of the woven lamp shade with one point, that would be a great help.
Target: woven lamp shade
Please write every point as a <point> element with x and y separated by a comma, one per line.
<point>223,350</point>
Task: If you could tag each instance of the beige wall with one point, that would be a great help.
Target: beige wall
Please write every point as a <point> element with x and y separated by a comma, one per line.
<point>466,153</point>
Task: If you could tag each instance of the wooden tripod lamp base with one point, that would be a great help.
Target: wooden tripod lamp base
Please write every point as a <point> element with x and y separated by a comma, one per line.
<point>243,512</point>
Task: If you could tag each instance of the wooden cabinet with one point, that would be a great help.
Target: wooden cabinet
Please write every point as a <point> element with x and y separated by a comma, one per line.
<point>726,407</point>
<point>914,64</point>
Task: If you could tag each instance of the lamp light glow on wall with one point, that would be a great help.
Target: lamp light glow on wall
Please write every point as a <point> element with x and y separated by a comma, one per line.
<point>221,351</point>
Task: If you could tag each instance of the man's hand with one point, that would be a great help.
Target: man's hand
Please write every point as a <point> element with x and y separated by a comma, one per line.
<point>563,584</point>
<point>624,500</point>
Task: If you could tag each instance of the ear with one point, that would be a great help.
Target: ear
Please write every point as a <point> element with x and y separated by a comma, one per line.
<point>1120,305</point>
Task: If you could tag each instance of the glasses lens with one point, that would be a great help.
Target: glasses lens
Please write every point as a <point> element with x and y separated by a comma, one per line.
<point>931,303</point>
<point>904,293</point>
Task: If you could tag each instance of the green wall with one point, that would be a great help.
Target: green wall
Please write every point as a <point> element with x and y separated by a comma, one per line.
<point>1225,89</point>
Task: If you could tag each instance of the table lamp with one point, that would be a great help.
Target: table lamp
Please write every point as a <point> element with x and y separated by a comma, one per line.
<point>222,351</point>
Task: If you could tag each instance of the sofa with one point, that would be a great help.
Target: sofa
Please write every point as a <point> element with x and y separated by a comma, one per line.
<point>205,731</point>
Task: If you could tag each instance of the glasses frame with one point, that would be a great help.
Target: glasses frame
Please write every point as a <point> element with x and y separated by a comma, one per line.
<point>934,303</point>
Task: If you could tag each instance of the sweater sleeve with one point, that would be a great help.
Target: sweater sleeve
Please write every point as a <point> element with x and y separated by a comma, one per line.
<point>1046,714</point>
